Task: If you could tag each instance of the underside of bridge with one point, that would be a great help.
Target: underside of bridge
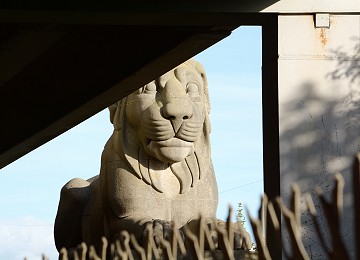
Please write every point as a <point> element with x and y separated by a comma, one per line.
<point>63,61</point>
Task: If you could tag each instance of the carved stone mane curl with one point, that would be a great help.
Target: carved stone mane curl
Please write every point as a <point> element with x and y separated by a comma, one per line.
<point>127,146</point>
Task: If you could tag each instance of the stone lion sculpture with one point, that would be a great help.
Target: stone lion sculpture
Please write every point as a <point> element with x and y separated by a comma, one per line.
<point>155,167</point>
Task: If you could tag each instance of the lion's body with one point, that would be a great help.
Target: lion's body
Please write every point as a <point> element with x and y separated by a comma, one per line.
<point>133,198</point>
<point>156,164</point>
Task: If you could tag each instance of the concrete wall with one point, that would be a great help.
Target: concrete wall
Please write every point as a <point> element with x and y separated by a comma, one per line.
<point>311,6</point>
<point>319,102</point>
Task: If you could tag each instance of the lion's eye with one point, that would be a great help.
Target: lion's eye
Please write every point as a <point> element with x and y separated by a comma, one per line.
<point>151,87</point>
<point>192,88</point>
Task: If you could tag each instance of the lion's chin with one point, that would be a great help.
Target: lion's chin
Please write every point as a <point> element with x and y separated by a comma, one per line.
<point>171,150</point>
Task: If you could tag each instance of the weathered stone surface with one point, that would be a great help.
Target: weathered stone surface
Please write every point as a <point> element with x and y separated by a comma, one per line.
<point>155,168</point>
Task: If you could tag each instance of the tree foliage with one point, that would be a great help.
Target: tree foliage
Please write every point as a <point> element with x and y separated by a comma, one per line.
<point>240,218</point>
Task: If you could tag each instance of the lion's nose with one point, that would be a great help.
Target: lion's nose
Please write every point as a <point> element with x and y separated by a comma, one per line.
<point>177,112</point>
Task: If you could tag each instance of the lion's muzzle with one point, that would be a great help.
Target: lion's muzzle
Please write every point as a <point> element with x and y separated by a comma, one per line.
<point>177,104</point>
<point>177,111</point>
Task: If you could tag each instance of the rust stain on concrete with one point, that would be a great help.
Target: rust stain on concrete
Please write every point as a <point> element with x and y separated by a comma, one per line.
<point>323,38</point>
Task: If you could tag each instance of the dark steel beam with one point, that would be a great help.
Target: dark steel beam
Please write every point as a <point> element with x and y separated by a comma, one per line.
<point>270,106</point>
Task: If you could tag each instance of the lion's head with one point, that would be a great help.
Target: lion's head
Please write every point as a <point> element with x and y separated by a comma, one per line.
<point>165,124</point>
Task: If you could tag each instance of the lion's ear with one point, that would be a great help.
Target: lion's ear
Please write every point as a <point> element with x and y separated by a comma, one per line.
<point>112,110</point>
<point>115,115</point>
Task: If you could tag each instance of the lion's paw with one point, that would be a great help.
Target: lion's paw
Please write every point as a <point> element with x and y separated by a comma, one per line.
<point>242,239</point>
<point>160,230</point>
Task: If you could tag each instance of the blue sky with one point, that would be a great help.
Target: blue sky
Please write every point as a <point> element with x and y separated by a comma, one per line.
<point>30,187</point>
